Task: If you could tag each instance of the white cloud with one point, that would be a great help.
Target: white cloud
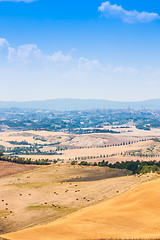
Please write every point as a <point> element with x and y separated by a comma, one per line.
<point>59,57</point>
<point>88,64</point>
<point>3,43</point>
<point>24,52</point>
<point>26,1</point>
<point>116,11</point>
<point>30,52</point>
<point>132,70</point>
<point>120,69</point>
<point>32,74</point>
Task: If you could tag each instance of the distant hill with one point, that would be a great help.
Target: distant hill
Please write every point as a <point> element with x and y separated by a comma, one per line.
<point>81,104</point>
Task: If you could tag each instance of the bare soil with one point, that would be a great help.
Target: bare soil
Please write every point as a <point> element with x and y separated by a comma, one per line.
<point>7,168</point>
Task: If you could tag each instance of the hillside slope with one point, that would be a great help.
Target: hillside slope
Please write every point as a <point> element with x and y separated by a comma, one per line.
<point>135,214</point>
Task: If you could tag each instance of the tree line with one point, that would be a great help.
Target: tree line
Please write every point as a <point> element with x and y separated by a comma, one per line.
<point>136,167</point>
<point>20,160</point>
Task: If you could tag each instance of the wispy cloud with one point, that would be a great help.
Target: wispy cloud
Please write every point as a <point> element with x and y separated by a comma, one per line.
<point>133,16</point>
<point>88,64</point>
<point>26,1</point>
<point>27,72</point>
<point>3,43</point>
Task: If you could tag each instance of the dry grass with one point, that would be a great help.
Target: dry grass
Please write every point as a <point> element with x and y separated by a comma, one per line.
<point>93,154</point>
<point>132,215</point>
<point>50,193</point>
<point>72,140</point>
<point>90,142</point>
<point>35,197</point>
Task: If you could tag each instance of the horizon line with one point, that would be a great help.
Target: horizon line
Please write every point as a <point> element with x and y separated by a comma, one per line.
<point>82,99</point>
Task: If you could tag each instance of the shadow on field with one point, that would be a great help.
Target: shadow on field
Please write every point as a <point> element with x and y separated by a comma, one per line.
<point>97,175</point>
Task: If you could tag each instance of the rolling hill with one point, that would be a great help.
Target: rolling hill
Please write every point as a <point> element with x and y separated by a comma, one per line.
<point>132,215</point>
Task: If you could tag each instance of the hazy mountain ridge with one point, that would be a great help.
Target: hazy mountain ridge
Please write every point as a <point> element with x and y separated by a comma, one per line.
<point>81,104</point>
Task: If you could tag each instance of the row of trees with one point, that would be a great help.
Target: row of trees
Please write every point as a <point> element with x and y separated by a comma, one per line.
<point>135,167</point>
<point>20,160</point>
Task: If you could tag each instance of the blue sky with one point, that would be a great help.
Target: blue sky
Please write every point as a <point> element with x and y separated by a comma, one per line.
<point>80,49</point>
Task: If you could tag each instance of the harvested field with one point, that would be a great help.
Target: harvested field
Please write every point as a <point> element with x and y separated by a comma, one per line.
<point>115,153</point>
<point>45,138</point>
<point>132,215</point>
<point>105,173</point>
<point>118,150</point>
<point>51,192</point>
<point>66,147</point>
<point>7,168</point>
